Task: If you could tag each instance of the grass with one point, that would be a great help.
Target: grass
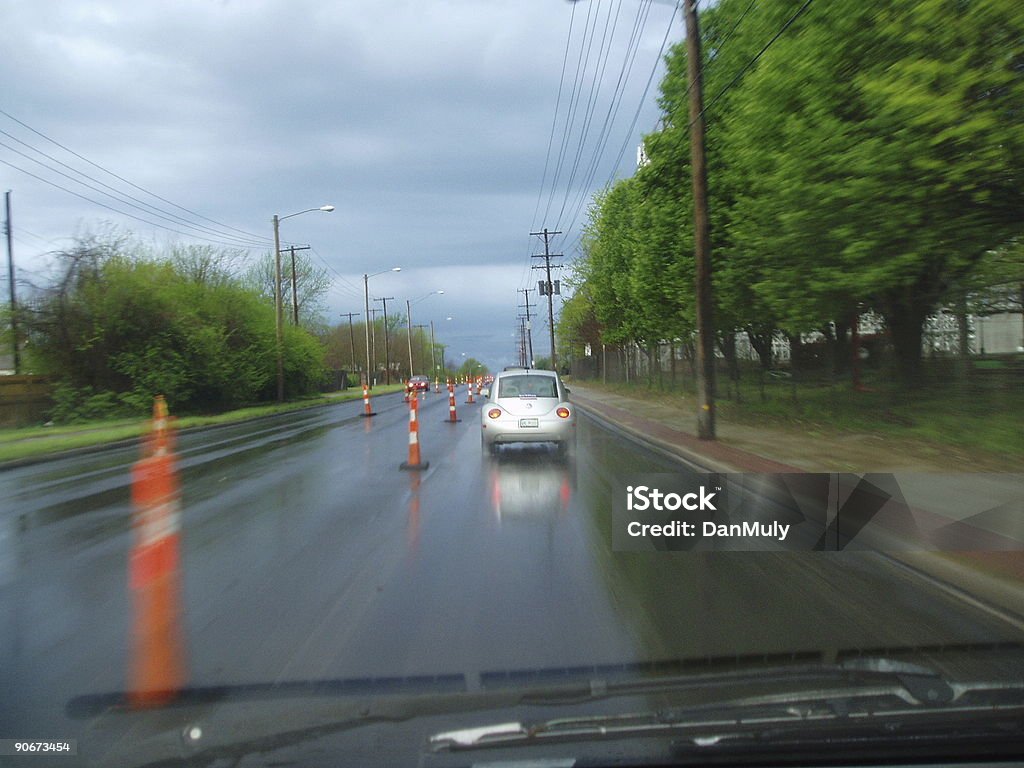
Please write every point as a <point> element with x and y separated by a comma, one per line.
<point>982,416</point>
<point>28,442</point>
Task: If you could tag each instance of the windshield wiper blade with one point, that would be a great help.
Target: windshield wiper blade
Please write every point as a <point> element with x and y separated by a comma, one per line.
<point>869,710</point>
<point>917,681</point>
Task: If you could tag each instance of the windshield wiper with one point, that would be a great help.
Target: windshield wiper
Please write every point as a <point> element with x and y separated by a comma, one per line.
<point>912,701</point>
<point>785,691</point>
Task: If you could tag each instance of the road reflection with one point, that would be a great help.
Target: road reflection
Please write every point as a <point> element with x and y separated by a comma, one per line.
<point>412,528</point>
<point>530,482</point>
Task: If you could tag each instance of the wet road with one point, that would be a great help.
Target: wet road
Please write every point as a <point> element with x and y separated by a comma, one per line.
<point>308,554</point>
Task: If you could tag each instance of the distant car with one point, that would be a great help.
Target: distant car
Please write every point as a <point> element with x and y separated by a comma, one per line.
<point>527,406</point>
<point>420,383</point>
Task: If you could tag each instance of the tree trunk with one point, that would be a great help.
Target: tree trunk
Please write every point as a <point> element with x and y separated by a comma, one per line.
<point>963,342</point>
<point>727,343</point>
<point>796,344</point>
<point>906,325</point>
<point>841,352</point>
<point>672,361</point>
<point>830,352</point>
<point>762,344</point>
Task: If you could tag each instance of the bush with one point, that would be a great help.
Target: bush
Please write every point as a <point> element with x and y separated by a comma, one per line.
<point>119,330</point>
<point>75,405</point>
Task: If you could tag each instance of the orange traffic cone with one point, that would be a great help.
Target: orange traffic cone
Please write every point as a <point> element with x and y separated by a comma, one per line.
<point>437,385</point>
<point>469,395</point>
<point>451,403</point>
<point>157,664</point>
<point>414,461</point>
<point>367,411</point>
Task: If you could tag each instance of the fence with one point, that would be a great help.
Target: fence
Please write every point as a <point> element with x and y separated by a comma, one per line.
<point>24,400</point>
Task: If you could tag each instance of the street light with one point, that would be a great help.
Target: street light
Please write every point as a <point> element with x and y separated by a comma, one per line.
<point>278,310</point>
<point>408,313</point>
<point>366,303</point>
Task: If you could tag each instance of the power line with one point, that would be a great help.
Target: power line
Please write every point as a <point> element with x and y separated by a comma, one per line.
<point>595,90</point>
<point>126,181</point>
<point>729,34</point>
<point>613,109</point>
<point>116,210</point>
<point>554,117</point>
<point>636,116</point>
<point>602,136</point>
<point>121,196</point>
<point>350,288</point>
<point>753,61</point>
<point>570,117</point>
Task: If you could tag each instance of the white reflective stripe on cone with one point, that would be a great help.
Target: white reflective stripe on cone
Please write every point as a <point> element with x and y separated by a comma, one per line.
<point>158,522</point>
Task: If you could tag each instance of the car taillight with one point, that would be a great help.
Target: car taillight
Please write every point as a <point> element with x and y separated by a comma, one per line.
<point>494,413</point>
<point>563,413</point>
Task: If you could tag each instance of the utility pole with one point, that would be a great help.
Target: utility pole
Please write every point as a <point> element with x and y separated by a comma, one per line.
<point>422,356</point>
<point>523,358</point>
<point>10,278</point>
<point>295,290</point>
<point>278,315</point>
<point>387,352</point>
<point>529,327</point>
<point>549,287</point>
<point>701,232</point>
<point>372,355</point>
<point>351,334</point>
<point>366,329</point>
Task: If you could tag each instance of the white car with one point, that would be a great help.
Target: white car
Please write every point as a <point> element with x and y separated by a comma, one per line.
<point>527,406</point>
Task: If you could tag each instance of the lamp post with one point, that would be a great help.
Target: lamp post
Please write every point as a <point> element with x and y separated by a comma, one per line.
<point>278,309</point>
<point>366,307</point>
<point>408,317</point>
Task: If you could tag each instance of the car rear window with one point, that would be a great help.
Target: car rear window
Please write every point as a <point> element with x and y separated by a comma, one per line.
<point>536,386</point>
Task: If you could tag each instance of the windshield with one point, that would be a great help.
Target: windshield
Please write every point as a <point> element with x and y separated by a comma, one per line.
<point>527,386</point>
<point>715,451</point>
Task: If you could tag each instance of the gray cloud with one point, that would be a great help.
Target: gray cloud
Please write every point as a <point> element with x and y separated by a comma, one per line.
<point>425,123</point>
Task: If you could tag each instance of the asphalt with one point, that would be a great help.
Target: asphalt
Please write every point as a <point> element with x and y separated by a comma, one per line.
<point>308,554</point>
<point>951,482</point>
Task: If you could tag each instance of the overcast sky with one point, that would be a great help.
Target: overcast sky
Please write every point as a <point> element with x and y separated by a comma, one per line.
<point>426,124</point>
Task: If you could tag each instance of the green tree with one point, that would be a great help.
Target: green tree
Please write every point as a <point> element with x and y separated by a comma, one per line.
<point>884,150</point>
<point>471,367</point>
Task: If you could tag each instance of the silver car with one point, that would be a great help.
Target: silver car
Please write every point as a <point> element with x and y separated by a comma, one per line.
<point>527,406</point>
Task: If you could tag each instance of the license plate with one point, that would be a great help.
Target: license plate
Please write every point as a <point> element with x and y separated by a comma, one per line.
<point>524,423</point>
